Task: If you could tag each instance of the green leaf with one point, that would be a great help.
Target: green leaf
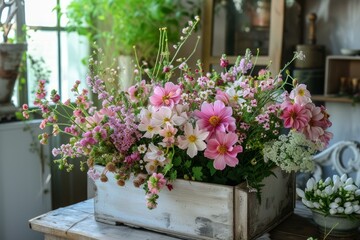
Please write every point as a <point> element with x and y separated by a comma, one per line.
<point>187,164</point>
<point>176,161</point>
<point>167,168</point>
<point>197,173</point>
<point>211,168</point>
<point>173,175</point>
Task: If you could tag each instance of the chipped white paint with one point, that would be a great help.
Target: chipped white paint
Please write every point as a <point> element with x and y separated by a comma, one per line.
<point>195,210</point>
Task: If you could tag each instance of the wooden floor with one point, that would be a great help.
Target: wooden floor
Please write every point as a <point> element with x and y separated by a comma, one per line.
<point>77,222</point>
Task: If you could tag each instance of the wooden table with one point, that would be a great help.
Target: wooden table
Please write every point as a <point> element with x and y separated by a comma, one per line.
<point>77,222</point>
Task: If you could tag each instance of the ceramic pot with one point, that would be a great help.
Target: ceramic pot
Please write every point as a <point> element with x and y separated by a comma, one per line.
<point>337,225</point>
<point>10,59</point>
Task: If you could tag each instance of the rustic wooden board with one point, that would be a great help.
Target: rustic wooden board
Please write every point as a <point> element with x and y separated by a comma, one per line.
<point>252,219</point>
<point>191,209</point>
<point>196,210</point>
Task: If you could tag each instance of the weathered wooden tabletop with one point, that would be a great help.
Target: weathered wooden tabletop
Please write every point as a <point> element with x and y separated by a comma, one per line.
<point>77,222</point>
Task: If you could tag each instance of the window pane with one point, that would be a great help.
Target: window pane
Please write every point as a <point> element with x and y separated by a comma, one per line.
<point>42,45</point>
<point>74,49</point>
<point>40,13</point>
<point>63,5</point>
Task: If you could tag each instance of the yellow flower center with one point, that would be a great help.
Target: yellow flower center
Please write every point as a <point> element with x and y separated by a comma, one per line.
<point>192,138</point>
<point>222,149</point>
<point>169,134</point>
<point>150,128</point>
<point>214,120</point>
<point>166,120</point>
<point>166,100</point>
<point>301,92</point>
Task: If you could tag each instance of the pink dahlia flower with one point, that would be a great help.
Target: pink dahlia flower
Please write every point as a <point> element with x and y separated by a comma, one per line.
<point>295,116</point>
<point>221,148</point>
<point>167,96</point>
<point>215,117</point>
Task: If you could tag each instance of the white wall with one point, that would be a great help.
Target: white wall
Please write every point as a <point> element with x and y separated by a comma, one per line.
<point>337,27</point>
<point>25,187</point>
<point>337,23</point>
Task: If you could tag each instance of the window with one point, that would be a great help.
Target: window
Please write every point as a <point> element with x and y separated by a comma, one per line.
<point>61,51</point>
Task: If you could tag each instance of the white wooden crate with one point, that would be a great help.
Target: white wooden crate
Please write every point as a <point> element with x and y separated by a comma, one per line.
<point>195,210</point>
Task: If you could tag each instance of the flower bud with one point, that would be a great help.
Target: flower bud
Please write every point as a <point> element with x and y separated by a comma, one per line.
<point>349,181</point>
<point>333,205</point>
<point>316,205</point>
<point>349,210</point>
<point>307,203</point>
<point>350,188</point>
<point>357,192</point>
<point>356,208</point>
<point>103,178</point>
<point>347,204</point>
<point>340,209</point>
<point>337,200</point>
<point>110,166</point>
<point>310,184</point>
<point>343,177</point>
<point>327,181</point>
<point>121,182</point>
<point>332,211</point>
<point>300,193</point>
<point>328,190</point>
<point>336,180</point>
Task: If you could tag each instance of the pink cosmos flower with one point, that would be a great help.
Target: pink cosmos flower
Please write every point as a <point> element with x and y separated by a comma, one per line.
<point>168,96</point>
<point>168,132</point>
<point>215,117</point>
<point>222,96</point>
<point>138,90</point>
<point>314,130</point>
<point>295,116</point>
<point>149,128</point>
<point>300,94</point>
<point>221,148</point>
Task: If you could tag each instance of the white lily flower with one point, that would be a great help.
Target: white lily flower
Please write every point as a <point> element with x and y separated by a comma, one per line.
<point>336,180</point>
<point>343,177</point>
<point>333,205</point>
<point>340,209</point>
<point>356,208</point>
<point>349,210</point>
<point>350,188</point>
<point>357,192</point>
<point>307,203</point>
<point>332,211</point>
<point>349,181</point>
<point>310,184</point>
<point>327,181</point>
<point>300,193</point>
<point>328,190</point>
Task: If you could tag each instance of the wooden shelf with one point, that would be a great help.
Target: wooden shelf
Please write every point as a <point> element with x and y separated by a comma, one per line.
<point>331,98</point>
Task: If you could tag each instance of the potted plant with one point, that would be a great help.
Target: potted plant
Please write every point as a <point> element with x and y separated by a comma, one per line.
<point>335,204</point>
<point>10,58</point>
<point>121,27</point>
<point>207,137</point>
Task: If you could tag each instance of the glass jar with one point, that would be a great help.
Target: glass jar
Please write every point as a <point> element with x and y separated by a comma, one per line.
<point>261,14</point>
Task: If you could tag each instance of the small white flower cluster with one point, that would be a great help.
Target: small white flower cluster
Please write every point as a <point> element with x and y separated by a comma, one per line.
<point>336,195</point>
<point>292,152</point>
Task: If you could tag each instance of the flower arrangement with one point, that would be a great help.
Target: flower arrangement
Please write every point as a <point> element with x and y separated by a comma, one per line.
<point>220,127</point>
<point>336,195</point>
